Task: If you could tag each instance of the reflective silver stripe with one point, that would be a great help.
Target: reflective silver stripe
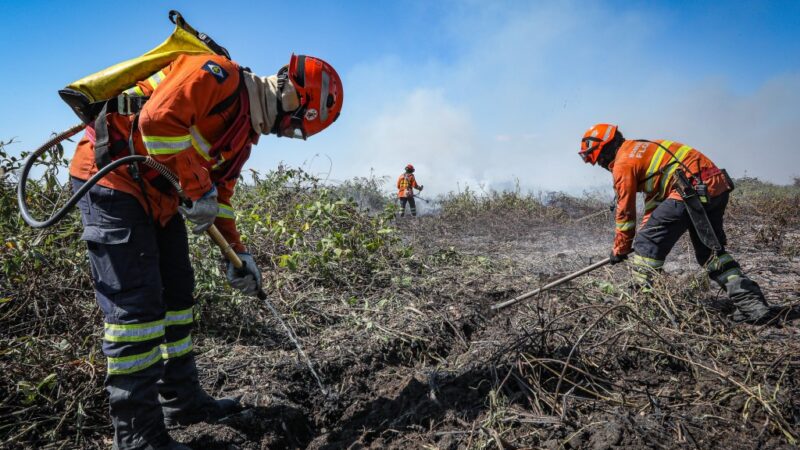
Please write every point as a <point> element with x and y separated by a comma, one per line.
<point>200,143</point>
<point>719,262</point>
<point>181,317</point>
<point>652,204</point>
<point>134,363</point>
<point>220,160</point>
<point>730,275</point>
<point>608,134</point>
<point>178,348</point>
<point>680,155</point>
<point>323,98</point>
<point>655,164</point>
<point>725,258</point>
<point>225,211</point>
<point>166,145</point>
<point>156,79</point>
<point>135,91</point>
<point>648,262</point>
<point>133,332</point>
<point>642,276</point>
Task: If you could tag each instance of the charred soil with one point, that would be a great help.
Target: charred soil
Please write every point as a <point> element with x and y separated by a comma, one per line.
<point>412,356</point>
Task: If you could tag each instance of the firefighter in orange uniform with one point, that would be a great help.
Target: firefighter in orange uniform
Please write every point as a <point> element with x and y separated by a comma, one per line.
<point>650,167</point>
<point>199,116</point>
<point>405,190</point>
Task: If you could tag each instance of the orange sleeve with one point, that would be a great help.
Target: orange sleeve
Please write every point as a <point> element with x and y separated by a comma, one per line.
<point>167,124</point>
<point>146,87</point>
<point>399,182</point>
<point>226,220</point>
<point>414,182</point>
<point>625,219</point>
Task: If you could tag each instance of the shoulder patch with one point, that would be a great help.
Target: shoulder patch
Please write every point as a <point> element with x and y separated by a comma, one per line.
<point>215,69</point>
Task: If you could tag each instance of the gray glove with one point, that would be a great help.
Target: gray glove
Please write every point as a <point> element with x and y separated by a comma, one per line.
<point>248,278</point>
<point>203,211</point>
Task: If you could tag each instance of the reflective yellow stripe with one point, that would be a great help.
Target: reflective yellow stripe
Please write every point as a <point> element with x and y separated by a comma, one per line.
<point>651,204</point>
<point>640,276</point>
<point>725,258</point>
<point>134,363</point>
<point>655,164</point>
<point>220,160</point>
<point>717,263</point>
<point>625,226</point>
<point>137,332</point>
<point>200,143</point>
<point>156,79</point>
<point>647,262</point>
<point>135,91</point>
<point>225,211</point>
<point>177,348</point>
<point>181,317</point>
<point>166,145</point>
<point>730,275</point>
<point>680,155</point>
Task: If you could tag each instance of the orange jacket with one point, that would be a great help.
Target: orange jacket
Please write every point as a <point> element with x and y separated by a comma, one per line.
<point>646,167</point>
<point>177,128</point>
<point>405,185</point>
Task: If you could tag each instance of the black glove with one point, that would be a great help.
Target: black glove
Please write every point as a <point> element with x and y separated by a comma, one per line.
<point>616,259</point>
<point>248,278</point>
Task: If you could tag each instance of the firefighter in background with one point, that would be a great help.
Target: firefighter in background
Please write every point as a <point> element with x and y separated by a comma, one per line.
<point>405,190</point>
<point>199,116</point>
<point>649,167</point>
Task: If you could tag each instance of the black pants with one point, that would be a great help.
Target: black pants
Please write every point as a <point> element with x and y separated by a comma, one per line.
<point>411,203</point>
<point>667,224</point>
<point>144,284</point>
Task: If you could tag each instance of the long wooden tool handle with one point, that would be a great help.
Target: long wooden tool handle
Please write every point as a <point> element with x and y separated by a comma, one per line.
<point>571,276</point>
<point>223,245</point>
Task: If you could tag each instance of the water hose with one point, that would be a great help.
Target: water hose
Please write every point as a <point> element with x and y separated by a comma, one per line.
<point>163,170</point>
<point>58,215</point>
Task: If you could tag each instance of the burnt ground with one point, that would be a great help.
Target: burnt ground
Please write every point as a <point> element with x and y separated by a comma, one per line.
<point>426,364</point>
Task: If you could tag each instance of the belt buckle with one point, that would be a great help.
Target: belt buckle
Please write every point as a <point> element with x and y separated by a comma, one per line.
<point>124,106</point>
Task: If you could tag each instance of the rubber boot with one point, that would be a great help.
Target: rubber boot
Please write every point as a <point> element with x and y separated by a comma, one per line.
<point>183,400</point>
<point>751,307</point>
<point>137,419</point>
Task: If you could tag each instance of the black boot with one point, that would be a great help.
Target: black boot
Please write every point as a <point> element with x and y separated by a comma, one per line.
<point>183,400</point>
<point>165,444</point>
<point>135,413</point>
<point>751,307</point>
<point>204,408</point>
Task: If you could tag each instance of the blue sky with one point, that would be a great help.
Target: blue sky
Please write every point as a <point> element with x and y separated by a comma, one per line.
<point>471,92</point>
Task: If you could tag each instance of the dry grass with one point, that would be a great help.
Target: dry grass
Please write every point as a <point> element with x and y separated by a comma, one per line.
<point>397,322</point>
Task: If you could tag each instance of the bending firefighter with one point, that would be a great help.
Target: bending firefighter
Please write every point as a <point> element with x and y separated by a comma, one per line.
<point>683,191</point>
<point>199,116</point>
<point>405,190</point>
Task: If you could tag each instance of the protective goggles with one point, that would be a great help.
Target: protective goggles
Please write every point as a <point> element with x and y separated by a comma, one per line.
<point>590,144</point>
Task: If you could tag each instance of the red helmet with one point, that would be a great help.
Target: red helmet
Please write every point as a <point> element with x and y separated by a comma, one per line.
<point>594,140</point>
<point>321,94</point>
<point>409,168</point>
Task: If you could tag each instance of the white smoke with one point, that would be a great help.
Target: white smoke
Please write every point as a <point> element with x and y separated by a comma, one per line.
<point>526,82</point>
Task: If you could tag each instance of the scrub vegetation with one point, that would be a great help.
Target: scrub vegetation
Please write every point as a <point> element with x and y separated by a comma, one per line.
<point>394,313</point>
